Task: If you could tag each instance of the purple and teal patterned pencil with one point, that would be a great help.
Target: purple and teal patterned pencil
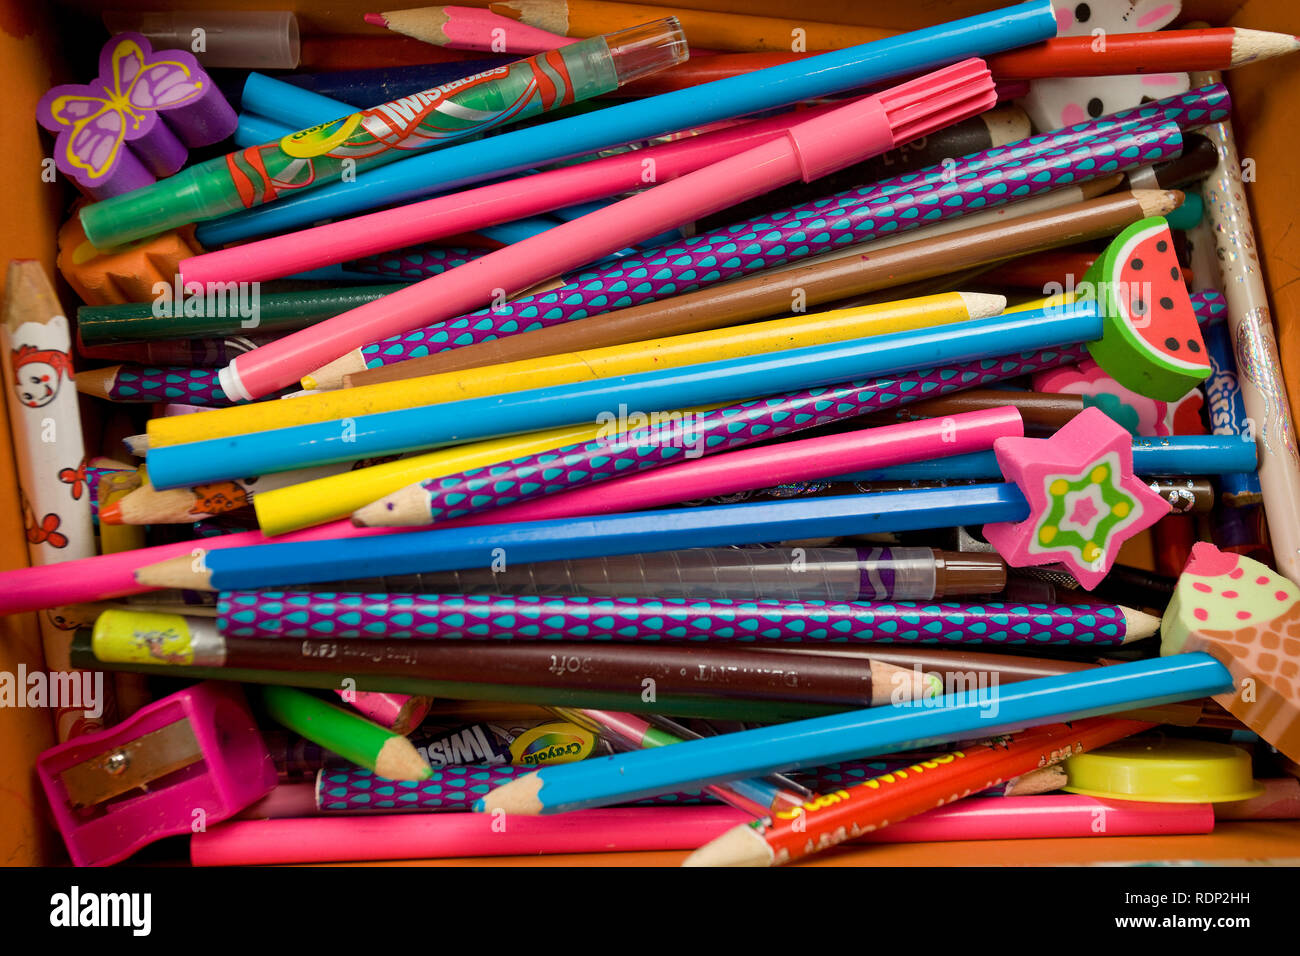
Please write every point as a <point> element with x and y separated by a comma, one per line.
<point>144,383</point>
<point>354,790</point>
<point>806,231</point>
<point>480,490</point>
<point>414,262</point>
<point>574,618</point>
<point>938,192</point>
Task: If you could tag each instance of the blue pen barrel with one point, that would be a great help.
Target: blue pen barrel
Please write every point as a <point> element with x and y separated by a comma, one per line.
<point>450,549</point>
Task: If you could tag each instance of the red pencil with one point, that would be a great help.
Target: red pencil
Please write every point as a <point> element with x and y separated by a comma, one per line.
<point>1169,51</point>
<point>1120,54</point>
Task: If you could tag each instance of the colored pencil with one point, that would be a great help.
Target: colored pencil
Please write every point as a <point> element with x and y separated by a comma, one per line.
<point>143,383</point>
<point>453,617</point>
<point>518,149</point>
<point>704,671</point>
<point>109,576</point>
<point>860,733</point>
<point>373,747</point>
<point>722,31</point>
<point>471,419</point>
<point>807,151</point>
<point>402,836</point>
<point>707,708</point>
<point>282,565</point>
<point>407,391</point>
<point>276,312</point>
<point>770,293</point>
<point>45,422</point>
<point>1040,411</point>
<point>631,732</point>
<point>1263,388</point>
<point>400,713</point>
<point>354,791</point>
<point>1175,51</point>
<point>147,505</point>
<point>484,492</point>
<point>469,28</point>
<point>204,353</point>
<point>1167,455</point>
<point>771,241</point>
<point>834,817</point>
<point>1169,51</point>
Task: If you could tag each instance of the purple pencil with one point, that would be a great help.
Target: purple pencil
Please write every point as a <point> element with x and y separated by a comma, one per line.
<point>414,262</point>
<point>486,617</point>
<point>145,383</point>
<point>938,192</point>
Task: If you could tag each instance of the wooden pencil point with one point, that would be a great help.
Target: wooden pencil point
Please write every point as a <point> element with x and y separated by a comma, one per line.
<point>185,572</point>
<point>406,508</point>
<point>98,381</point>
<point>1158,202</point>
<point>519,797</point>
<point>1138,624</point>
<point>982,305</point>
<point>399,760</point>
<point>1251,45</point>
<point>739,846</point>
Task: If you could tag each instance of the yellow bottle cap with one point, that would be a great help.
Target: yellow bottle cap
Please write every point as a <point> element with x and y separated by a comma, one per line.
<point>1164,770</point>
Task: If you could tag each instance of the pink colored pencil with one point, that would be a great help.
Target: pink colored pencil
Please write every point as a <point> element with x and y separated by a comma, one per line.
<point>484,206</point>
<point>809,150</point>
<point>447,835</point>
<point>109,576</point>
<point>400,713</point>
<point>1046,816</point>
<point>469,28</point>
<point>426,502</point>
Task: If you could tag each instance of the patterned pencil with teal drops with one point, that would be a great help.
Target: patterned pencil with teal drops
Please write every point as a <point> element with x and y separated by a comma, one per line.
<point>480,490</point>
<point>849,219</point>
<point>487,617</point>
<point>145,383</point>
<point>353,790</point>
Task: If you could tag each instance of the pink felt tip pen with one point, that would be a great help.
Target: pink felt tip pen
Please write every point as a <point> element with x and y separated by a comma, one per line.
<point>831,141</point>
<point>472,209</point>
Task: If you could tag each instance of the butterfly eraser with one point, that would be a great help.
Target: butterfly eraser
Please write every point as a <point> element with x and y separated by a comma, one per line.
<point>137,120</point>
<point>1247,617</point>
<point>1084,500</point>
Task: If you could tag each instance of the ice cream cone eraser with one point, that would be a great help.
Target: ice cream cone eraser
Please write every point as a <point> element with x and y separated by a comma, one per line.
<point>1247,617</point>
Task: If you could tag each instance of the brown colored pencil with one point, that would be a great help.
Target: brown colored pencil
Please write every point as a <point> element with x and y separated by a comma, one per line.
<point>1041,411</point>
<point>737,673</point>
<point>771,293</point>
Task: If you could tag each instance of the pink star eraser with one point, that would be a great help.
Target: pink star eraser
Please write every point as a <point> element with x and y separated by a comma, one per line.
<point>1247,617</point>
<point>1084,500</point>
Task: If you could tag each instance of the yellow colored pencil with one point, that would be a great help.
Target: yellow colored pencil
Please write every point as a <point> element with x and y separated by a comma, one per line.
<point>793,332</point>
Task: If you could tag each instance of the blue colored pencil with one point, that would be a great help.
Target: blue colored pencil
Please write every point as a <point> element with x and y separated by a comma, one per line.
<point>861,733</point>
<point>367,436</point>
<point>818,76</point>
<point>451,549</point>
<point>1172,455</point>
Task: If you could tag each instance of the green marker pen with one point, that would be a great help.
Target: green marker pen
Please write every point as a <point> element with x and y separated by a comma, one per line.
<point>330,151</point>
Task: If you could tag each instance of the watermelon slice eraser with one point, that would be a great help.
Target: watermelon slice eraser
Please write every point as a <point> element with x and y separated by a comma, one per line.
<point>1247,617</point>
<point>1150,342</point>
<point>1084,500</point>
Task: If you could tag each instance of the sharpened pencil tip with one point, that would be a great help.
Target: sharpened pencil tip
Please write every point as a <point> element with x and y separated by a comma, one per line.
<point>376,19</point>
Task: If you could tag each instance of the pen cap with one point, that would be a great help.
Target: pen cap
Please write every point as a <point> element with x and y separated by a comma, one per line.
<point>245,39</point>
<point>648,48</point>
<point>877,123</point>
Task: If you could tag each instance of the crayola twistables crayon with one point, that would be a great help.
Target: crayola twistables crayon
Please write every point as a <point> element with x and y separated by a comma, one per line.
<point>328,152</point>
